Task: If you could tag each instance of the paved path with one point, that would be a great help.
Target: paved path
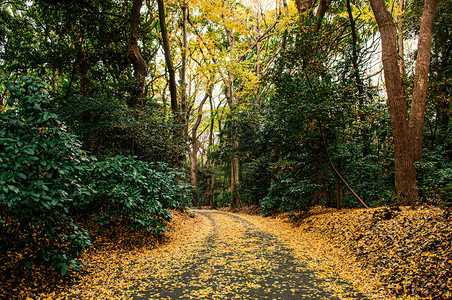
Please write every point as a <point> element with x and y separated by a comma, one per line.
<point>236,260</point>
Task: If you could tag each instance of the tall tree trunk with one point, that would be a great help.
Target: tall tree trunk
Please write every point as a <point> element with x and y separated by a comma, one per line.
<point>422,69</point>
<point>258,62</point>
<point>182,82</point>
<point>407,137</point>
<point>139,64</point>
<point>211,178</point>
<point>168,59</point>
<point>232,102</point>
<point>179,129</point>
<point>194,149</point>
<point>284,38</point>
<point>320,13</point>
<point>356,74</point>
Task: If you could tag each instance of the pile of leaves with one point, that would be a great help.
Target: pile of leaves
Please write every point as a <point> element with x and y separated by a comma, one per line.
<point>408,250</point>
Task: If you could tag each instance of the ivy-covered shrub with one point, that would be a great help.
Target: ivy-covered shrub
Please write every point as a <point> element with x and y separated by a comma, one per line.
<point>40,165</point>
<point>133,193</point>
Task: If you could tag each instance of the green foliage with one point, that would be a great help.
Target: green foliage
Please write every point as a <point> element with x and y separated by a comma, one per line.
<point>435,177</point>
<point>132,192</point>
<point>109,127</point>
<point>47,181</point>
<point>40,165</point>
<point>289,194</point>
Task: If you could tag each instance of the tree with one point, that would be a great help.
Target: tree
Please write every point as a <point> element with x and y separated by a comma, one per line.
<point>139,64</point>
<point>168,59</point>
<point>407,127</point>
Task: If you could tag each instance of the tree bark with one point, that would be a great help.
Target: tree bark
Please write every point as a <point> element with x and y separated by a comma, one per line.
<point>407,137</point>
<point>359,82</point>
<point>139,64</point>
<point>182,82</point>
<point>400,40</point>
<point>194,149</point>
<point>321,10</point>
<point>168,59</point>
<point>211,178</point>
<point>232,102</point>
<point>258,62</point>
<point>422,69</point>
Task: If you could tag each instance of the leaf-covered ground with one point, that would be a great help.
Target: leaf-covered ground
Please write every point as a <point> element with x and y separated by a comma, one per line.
<point>379,253</point>
<point>388,253</point>
<point>215,255</point>
<point>239,260</point>
<point>407,252</point>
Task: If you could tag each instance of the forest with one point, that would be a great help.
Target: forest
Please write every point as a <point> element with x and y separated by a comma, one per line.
<point>114,114</point>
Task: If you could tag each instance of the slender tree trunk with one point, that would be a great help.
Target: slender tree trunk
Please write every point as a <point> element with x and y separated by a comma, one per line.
<point>194,146</point>
<point>182,82</point>
<point>211,178</point>
<point>407,137</point>
<point>179,124</point>
<point>232,102</point>
<point>139,64</point>
<point>258,62</point>
<point>168,59</point>
<point>356,74</point>
<point>284,38</point>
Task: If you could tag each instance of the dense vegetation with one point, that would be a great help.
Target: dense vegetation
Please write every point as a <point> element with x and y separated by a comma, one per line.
<point>93,128</point>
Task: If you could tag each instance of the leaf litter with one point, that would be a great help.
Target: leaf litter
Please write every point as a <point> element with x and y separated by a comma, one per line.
<point>385,253</point>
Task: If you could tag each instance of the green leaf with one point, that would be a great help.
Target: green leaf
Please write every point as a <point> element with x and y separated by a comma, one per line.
<point>64,269</point>
<point>13,188</point>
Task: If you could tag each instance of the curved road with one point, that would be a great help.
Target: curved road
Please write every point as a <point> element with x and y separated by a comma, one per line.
<point>237,260</point>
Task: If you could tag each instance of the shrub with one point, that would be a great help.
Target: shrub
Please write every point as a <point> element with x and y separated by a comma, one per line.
<point>39,176</point>
<point>435,177</point>
<point>133,193</point>
<point>289,194</point>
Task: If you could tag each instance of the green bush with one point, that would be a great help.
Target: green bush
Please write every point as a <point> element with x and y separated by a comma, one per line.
<point>134,193</point>
<point>39,176</point>
<point>289,194</point>
<point>435,177</point>
<point>46,180</point>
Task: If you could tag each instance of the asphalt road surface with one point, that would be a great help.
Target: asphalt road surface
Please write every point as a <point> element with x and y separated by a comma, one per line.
<point>237,260</point>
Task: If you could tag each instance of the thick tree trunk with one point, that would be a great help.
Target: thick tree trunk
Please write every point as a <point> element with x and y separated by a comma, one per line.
<point>407,137</point>
<point>139,64</point>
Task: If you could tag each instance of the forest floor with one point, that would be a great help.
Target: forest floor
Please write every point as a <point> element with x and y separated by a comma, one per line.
<point>381,253</point>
